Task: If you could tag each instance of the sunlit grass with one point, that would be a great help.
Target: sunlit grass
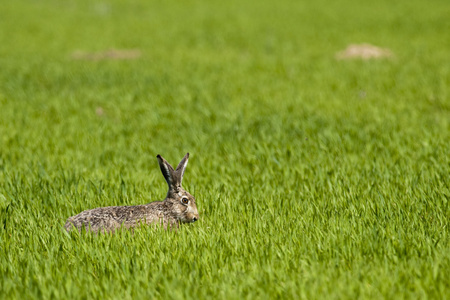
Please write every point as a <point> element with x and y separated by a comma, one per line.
<point>314,178</point>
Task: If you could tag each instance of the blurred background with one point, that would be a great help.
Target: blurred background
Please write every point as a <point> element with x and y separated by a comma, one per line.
<point>255,90</point>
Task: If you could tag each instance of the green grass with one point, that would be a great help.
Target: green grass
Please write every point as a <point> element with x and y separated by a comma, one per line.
<point>314,178</point>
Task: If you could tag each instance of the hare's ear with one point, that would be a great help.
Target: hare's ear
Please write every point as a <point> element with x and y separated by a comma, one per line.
<point>167,171</point>
<point>181,167</point>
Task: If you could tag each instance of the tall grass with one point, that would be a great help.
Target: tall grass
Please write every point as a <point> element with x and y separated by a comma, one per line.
<point>314,178</point>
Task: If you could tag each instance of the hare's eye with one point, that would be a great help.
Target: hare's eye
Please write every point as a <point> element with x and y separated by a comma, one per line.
<point>185,200</point>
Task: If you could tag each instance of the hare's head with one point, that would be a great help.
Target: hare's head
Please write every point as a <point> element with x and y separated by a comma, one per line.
<point>182,203</point>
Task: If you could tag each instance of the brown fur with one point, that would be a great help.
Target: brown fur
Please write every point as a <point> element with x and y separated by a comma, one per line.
<point>167,213</point>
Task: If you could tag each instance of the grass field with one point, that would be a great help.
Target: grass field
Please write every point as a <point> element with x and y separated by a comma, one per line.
<point>315,178</point>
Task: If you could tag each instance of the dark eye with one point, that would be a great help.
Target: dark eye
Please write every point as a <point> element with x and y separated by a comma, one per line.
<point>185,200</point>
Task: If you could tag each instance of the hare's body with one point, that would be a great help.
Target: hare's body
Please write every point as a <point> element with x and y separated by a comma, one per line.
<point>114,217</point>
<point>178,207</point>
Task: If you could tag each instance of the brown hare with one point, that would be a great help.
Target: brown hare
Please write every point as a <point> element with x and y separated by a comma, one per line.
<point>178,207</point>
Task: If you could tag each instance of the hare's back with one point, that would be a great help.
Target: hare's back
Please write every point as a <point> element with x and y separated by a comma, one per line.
<point>111,218</point>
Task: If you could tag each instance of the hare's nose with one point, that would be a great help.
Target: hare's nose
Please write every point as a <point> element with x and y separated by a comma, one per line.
<point>194,219</point>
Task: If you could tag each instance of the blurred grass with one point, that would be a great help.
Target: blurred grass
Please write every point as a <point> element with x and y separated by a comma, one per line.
<point>315,178</point>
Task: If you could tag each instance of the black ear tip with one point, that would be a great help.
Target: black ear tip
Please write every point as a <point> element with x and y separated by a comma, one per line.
<point>158,156</point>
<point>187,154</point>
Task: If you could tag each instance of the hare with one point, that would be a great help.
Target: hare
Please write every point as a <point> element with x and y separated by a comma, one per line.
<point>178,207</point>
